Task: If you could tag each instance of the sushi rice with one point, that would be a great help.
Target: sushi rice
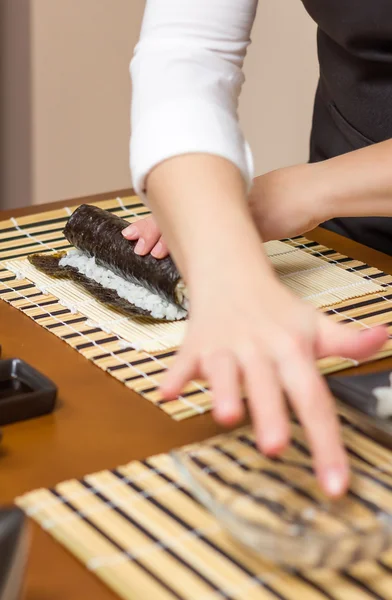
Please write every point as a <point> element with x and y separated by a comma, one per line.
<point>158,307</point>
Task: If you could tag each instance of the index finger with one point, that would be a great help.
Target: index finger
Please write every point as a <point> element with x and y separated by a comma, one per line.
<point>313,403</point>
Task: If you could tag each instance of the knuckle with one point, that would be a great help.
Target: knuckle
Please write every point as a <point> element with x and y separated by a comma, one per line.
<point>147,225</point>
<point>140,225</point>
<point>251,353</point>
<point>293,348</point>
<point>293,344</point>
<point>215,358</point>
<point>150,236</point>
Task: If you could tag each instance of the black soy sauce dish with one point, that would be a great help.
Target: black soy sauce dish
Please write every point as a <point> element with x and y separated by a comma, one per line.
<point>24,392</point>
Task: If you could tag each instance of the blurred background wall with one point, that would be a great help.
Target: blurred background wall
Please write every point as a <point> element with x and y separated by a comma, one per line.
<point>15,103</point>
<point>65,93</point>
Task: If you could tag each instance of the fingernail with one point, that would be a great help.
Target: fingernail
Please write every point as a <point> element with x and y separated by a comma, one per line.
<point>140,246</point>
<point>274,443</point>
<point>166,390</point>
<point>130,231</point>
<point>157,250</point>
<point>335,482</point>
<point>225,413</point>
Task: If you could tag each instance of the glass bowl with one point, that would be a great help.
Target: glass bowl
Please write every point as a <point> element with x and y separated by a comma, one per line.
<point>274,507</point>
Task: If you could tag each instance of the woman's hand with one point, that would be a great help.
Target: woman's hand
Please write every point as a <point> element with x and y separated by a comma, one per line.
<point>247,331</point>
<point>283,203</point>
<point>148,236</point>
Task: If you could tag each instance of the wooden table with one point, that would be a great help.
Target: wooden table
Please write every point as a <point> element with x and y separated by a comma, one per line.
<point>98,424</point>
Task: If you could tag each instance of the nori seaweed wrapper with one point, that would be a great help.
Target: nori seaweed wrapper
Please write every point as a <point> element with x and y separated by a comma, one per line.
<point>97,233</point>
<point>49,264</point>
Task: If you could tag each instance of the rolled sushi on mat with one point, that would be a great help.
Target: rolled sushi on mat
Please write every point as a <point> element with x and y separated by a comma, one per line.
<point>105,264</point>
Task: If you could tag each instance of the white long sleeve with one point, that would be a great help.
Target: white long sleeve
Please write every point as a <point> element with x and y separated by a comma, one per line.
<point>186,79</point>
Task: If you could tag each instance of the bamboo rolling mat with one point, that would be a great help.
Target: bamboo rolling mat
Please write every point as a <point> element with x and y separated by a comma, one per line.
<point>310,277</point>
<point>348,290</point>
<point>139,528</point>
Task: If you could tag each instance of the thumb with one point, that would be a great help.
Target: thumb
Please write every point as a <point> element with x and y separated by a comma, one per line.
<point>334,339</point>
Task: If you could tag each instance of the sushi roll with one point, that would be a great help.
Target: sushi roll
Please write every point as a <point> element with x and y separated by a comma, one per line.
<point>104,263</point>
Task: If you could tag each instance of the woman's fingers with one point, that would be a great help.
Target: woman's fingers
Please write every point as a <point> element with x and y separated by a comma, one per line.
<point>315,407</point>
<point>333,339</point>
<point>132,232</point>
<point>266,404</point>
<point>222,373</point>
<point>160,250</point>
<point>146,232</point>
<point>305,390</point>
<point>183,370</point>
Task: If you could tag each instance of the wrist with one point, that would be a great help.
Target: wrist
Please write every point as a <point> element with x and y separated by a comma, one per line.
<point>236,259</point>
<point>334,189</point>
<point>324,200</point>
<point>303,189</point>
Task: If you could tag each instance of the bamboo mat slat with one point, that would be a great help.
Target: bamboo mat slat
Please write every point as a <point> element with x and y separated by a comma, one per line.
<point>139,528</point>
<point>347,290</point>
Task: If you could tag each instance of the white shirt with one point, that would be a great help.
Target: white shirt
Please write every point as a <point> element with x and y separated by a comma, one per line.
<point>186,79</point>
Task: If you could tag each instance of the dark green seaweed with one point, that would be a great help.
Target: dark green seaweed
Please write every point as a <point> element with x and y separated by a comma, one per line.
<point>97,233</point>
<point>49,264</point>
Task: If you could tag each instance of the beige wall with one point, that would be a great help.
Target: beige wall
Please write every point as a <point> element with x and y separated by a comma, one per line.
<point>81,95</point>
<point>281,71</point>
<point>80,91</point>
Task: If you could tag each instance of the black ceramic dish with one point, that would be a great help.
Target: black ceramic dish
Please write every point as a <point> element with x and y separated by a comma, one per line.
<point>13,553</point>
<point>24,392</point>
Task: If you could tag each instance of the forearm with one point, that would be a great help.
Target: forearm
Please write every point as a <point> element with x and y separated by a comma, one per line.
<point>358,184</point>
<point>200,204</point>
<point>189,158</point>
<point>186,80</point>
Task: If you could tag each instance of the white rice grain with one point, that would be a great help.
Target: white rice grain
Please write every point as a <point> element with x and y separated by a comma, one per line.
<point>158,307</point>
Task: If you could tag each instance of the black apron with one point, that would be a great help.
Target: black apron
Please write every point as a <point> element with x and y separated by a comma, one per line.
<point>353,105</point>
